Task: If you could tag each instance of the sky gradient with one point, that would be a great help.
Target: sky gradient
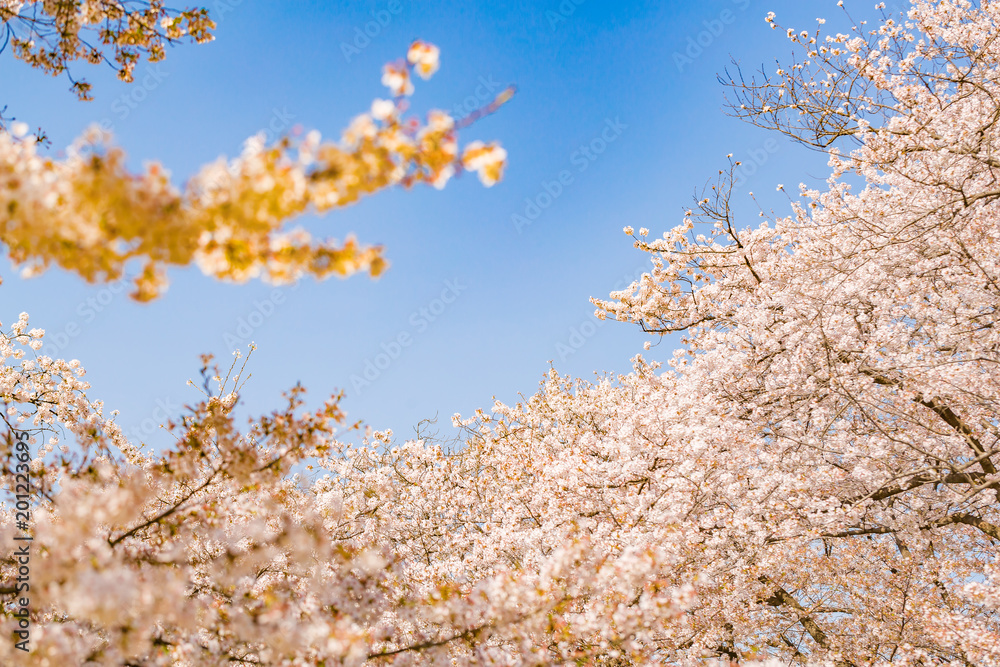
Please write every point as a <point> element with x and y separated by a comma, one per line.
<point>618,120</point>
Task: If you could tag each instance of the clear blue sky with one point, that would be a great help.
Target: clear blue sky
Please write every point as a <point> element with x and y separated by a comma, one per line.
<point>519,294</point>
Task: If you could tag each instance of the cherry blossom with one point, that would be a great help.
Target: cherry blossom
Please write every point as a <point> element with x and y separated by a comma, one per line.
<point>425,58</point>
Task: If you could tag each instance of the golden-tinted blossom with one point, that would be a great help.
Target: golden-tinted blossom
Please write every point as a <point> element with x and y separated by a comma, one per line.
<point>89,214</point>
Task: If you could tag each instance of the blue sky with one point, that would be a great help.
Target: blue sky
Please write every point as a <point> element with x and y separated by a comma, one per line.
<point>484,304</point>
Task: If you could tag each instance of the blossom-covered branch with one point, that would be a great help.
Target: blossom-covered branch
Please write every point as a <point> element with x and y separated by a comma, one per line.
<point>89,214</point>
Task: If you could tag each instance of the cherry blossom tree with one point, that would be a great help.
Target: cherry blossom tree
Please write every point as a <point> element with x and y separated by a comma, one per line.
<point>810,478</point>
<point>850,352</point>
<point>818,461</point>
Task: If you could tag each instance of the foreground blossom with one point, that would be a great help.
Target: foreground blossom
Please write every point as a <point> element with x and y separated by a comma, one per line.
<point>89,214</point>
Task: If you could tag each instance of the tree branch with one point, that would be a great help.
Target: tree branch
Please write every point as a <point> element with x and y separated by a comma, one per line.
<point>782,597</point>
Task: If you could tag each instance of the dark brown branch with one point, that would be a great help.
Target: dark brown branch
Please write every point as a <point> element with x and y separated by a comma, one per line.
<point>781,597</point>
